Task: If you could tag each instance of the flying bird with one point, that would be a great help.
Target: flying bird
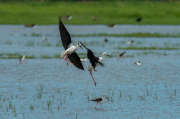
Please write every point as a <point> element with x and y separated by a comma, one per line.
<point>91,68</point>
<point>70,49</point>
<point>94,61</point>
<point>121,54</point>
<point>99,100</point>
<point>137,63</point>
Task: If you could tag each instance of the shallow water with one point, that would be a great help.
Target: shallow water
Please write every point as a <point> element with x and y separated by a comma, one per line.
<point>147,91</point>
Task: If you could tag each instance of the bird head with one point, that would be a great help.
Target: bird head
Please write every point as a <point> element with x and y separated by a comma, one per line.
<point>104,96</point>
<point>79,45</point>
<point>105,54</point>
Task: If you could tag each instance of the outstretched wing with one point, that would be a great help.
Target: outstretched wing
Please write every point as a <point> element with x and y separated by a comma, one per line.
<point>98,99</point>
<point>122,53</point>
<point>65,36</point>
<point>74,58</point>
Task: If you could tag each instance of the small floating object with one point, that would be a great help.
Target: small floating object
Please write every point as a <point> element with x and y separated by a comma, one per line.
<point>99,100</point>
<point>136,63</point>
<point>68,17</point>
<point>105,40</point>
<point>139,19</point>
<point>94,18</point>
<point>121,54</point>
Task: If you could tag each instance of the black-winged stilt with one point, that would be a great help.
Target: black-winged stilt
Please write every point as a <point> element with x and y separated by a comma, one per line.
<point>99,100</point>
<point>94,60</point>
<point>44,38</point>
<point>91,68</point>
<point>70,49</point>
<point>130,42</point>
<point>137,63</point>
<point>22,58</point>
<point>121,54</point>
<point>139,19</point>
<point>105,40</point>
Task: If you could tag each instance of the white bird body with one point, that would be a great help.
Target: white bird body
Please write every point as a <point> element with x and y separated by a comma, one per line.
<point>21,58</point>
<point>137,63</point>
<point>130,42</point>
<point>44,38</point>
<point>70,50</point>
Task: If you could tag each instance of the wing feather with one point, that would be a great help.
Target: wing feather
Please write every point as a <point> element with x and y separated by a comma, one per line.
<point>74,58</point>
<point>98,99</point>
<point>65,36</point>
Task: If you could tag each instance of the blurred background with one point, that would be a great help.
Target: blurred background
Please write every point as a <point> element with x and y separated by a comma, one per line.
<point>43,86</point>
<point>90,11</point>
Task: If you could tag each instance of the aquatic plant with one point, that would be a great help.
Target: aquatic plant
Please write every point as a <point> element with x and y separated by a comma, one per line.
<point>10,105</point>
<point>48,103</point>
<point>31,107</point>
<point>39,95</point>
<point>147,92</point>
<point>129,97</point>
<point>120,94</point>
<point>35,34</point>
<point>128,35</point>
<point>175,92</point>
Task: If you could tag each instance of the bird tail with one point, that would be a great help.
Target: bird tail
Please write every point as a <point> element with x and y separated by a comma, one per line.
<point>83,45</point>
<point>102,64</point>
<point>63,53</point>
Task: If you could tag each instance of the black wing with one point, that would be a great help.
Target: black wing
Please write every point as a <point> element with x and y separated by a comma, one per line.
<point>65,36</point>
<point>122,53</point>
<point>74,58</point>
<point>98,99</point>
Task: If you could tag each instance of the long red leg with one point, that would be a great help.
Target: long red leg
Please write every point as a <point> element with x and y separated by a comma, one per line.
<point>96,105</point>
<point>67,57</point>
<point>100,105</point>
<point>93,79</point>
<point>65,60</point>
<point>69,61</point>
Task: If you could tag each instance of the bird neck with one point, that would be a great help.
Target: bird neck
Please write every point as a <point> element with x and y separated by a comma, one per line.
<point>103,97</point>
<point>103,56</point>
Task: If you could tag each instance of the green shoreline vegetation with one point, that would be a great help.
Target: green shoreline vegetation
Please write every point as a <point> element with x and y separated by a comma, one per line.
<point>115,35</point>
<point>119,12</point>
<point>83,55</point>
<point>129,35</point>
